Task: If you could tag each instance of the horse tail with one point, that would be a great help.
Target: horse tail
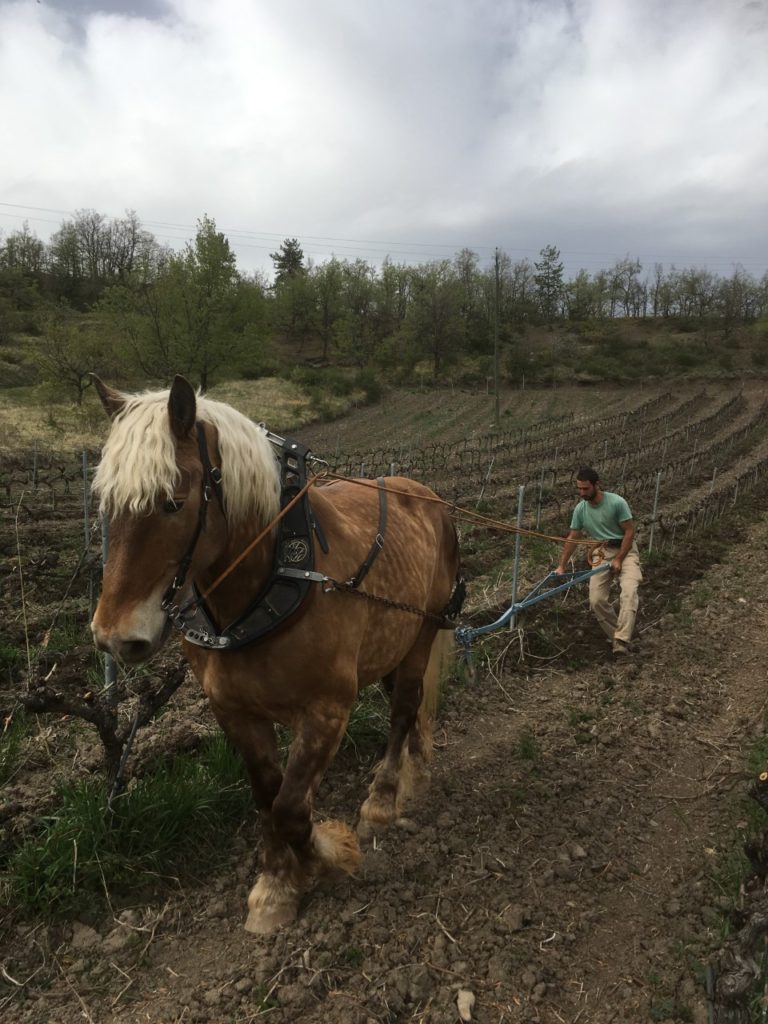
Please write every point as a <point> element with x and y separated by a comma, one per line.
<point>441,654</point>
<point>438,668</point>
<point>459,591</point>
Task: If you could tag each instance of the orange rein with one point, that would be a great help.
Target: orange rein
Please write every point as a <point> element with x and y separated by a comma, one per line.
<point>467,515</point>
<point>257,540</point>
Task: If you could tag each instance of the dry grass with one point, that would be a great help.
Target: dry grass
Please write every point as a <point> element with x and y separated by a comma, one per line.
<point>32,417</point>
<point>38,417</point>
<point>281,404</point>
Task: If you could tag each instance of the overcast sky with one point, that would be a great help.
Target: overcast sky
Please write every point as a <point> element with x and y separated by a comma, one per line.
<point>408,127</point>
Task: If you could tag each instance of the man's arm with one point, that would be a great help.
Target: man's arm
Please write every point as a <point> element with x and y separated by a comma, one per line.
<point>568,548</point>
<point>628,528</point>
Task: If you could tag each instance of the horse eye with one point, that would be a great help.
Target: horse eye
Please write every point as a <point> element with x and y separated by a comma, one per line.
<point>171,505</point>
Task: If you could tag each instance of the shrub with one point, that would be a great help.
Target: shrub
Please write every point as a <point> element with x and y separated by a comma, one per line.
<point>370,384</point>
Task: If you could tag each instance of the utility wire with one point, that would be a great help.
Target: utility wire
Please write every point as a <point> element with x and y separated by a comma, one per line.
<point>247,238</point>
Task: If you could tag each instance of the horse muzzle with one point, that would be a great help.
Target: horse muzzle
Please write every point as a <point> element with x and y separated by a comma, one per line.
<point>131,648</point>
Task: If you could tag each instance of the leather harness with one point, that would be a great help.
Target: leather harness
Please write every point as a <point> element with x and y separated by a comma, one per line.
<point>293,570</point>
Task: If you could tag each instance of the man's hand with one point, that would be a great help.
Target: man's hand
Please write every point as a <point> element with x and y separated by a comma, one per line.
<point>616,565</point>
<point>560,570</point>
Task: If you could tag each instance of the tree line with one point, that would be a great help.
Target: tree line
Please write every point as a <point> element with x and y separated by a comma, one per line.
<point>155,311</point>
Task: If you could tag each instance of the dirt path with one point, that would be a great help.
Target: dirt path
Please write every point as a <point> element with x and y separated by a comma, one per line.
<point>570,864</point>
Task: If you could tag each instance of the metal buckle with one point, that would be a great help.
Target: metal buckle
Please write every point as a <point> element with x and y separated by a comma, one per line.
<point>174,614</point>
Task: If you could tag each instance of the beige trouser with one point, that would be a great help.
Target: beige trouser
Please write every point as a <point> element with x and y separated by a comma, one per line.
<point>617,626</point>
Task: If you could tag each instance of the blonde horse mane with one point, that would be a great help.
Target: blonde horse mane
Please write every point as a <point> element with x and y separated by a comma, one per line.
<point>138,463</point>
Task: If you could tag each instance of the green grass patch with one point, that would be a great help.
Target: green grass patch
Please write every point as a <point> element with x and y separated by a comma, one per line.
<point>179,816</point>
<point>368,724</point>
<point>68,633</point>
<point>352,956</point>
<point>12,735</point>
<point>12,658</point>
<point>527,746</point>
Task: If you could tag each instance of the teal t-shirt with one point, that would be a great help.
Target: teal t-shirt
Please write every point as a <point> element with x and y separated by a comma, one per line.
<point>601,522</point>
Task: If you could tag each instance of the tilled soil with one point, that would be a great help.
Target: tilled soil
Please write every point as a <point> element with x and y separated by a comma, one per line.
<point>574,860</point>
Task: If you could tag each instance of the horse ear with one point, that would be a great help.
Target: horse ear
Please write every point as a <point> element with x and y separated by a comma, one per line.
<point>182,407</point>
<point>113,401</point>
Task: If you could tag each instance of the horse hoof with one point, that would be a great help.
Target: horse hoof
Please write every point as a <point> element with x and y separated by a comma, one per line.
<point>266,920</point>
<point>378,810</point>
<point>271,904</point>
<point>366,830</point>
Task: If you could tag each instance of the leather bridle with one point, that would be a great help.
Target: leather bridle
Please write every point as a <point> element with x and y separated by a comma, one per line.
<point>210,486</point>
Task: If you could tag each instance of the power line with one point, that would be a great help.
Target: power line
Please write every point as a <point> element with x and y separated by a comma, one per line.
<point>248,238</point>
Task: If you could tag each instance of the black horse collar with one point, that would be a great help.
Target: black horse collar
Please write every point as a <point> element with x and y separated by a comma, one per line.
<point>292,569</point>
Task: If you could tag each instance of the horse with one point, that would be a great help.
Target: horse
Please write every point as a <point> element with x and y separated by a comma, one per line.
<point>188,485</point>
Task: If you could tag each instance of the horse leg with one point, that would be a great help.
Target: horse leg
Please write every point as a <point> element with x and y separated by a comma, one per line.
<point>255,741</point>
<point>298,850</point>
<point>396,775</point>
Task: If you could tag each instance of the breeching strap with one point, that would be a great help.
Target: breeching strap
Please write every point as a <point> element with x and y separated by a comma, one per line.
<point>378,542</point>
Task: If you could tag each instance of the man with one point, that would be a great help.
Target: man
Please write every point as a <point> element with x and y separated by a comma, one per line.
<point>606,517</point>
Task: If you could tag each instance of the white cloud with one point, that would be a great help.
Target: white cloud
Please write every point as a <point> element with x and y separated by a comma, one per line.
<point>604,126</point>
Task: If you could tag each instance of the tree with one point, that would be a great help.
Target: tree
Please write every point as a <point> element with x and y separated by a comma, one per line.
<point>22,259</point>
<point>288,260</point>
<point>392,297</point>
<point>23,251</point>
<point>435,317</point>
<point>473,310</point>
<point>661,292</point>
<point>578,297</point>
<point>329,285</point>
<point>549,282</point>
<point>357,334</point>
<point>627,292</point>
<point>195,317</point>
<point>738,298</point>
<point>70,349</point>
<point>90,252</point>
<point>519,299</point>
<point>294,308</point>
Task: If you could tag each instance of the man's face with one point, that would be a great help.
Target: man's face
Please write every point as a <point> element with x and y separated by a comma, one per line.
<point>586,490</point>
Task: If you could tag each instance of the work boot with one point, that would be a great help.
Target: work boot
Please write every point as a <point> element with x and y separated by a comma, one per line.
<point>620,648</point>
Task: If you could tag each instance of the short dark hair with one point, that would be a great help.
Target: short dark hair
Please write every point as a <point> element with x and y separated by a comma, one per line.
<point>588,474</point>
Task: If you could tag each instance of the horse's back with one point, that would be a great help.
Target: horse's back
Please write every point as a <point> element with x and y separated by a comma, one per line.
<point>411,519</point>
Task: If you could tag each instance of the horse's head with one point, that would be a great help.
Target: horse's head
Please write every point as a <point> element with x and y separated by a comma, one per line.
<point>155,488</point>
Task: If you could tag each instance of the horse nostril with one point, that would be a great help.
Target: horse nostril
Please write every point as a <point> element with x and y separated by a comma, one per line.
<point>133,651</point>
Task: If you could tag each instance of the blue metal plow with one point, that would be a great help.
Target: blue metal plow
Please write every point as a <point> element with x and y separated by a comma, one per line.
<point>466,634</point>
